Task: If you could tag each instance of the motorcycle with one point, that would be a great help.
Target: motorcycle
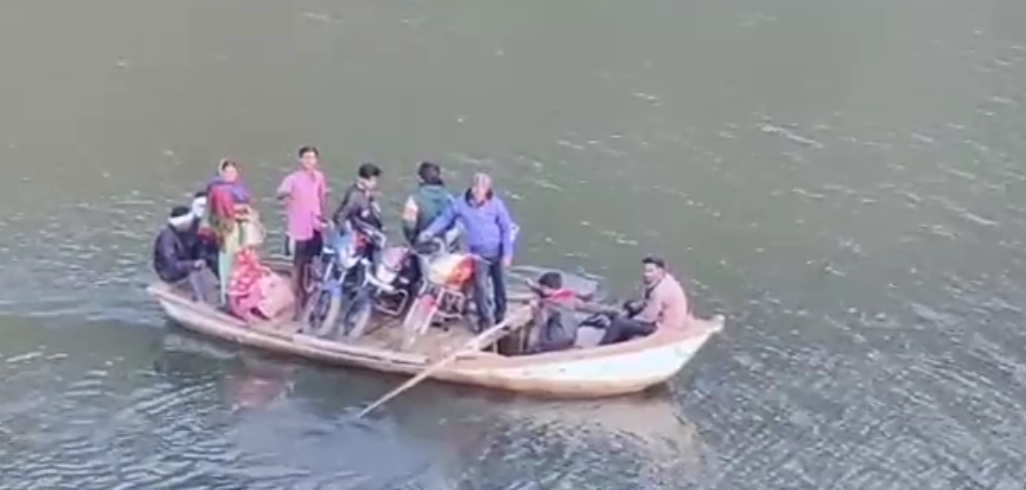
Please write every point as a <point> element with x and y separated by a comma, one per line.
<point>442,293</point>
<point>337,274</point>
<point>386,288</point>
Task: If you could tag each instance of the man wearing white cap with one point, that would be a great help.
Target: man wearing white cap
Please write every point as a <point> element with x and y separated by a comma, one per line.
<point>175,257</point>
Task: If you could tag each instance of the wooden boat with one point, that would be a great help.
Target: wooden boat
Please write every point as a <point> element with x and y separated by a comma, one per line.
<point>588,371</point>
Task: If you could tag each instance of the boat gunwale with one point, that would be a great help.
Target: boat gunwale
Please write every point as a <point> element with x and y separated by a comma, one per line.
<point>473,364</point>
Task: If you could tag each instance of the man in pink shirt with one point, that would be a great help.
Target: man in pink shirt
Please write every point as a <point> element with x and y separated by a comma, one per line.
<point>664,305</point>
<point>304,192</point>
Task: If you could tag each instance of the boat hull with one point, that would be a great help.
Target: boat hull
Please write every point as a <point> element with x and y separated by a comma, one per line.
<point>593,372</point>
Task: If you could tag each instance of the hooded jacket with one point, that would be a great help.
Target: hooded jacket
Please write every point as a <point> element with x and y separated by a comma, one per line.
<point>431,200</point>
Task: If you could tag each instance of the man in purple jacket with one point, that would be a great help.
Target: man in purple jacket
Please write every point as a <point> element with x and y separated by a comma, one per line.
<point>488,234</point>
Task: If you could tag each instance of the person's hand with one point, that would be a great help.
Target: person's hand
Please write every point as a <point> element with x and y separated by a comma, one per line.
<point>423,237</point>
<point>507,262</point>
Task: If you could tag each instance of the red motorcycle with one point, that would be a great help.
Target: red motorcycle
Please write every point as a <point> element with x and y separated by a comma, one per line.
<point>442,294</point>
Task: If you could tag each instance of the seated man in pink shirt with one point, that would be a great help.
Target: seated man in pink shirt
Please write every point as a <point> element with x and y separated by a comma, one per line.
<point>304,192</point>
<point>664,305</point>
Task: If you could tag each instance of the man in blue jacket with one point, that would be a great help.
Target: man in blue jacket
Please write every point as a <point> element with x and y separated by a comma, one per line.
<point>488,234</point>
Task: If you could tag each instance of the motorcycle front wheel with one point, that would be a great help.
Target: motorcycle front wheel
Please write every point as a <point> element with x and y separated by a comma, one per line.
<point>322,312</point>
<point>358,317</point>
<point>417,321</point>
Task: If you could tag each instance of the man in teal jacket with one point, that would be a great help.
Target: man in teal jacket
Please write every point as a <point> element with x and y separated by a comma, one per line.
<point>428,202</point>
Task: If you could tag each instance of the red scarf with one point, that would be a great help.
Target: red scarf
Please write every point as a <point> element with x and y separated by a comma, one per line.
<point>560,296</point>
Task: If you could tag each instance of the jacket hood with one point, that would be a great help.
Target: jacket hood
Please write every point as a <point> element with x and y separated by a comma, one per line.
<point>433,190</point>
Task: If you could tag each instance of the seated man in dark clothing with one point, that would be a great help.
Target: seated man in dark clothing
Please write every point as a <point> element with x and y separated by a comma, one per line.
<point>175,257</point>
<point>555,314</point>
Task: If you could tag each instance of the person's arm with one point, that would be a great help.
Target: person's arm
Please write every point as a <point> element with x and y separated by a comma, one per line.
<point>443,222</point>
<point>505,223</point>
<point>323,195</point>
<point>410,212</point>
<point>585,296</point>
<point>345,209</point>
<point>589,307</point>
<point>285,188</point>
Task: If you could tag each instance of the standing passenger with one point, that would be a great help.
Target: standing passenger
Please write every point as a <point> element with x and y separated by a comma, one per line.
<point>233,220</point>
<point>428,202</point>
<point>304,192</point>
<point>489,235</point>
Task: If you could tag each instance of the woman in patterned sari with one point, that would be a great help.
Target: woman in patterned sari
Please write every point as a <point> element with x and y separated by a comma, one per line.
<point>230,215</point>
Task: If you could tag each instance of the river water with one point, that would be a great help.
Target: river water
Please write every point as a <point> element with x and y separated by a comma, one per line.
<point>843,179</point>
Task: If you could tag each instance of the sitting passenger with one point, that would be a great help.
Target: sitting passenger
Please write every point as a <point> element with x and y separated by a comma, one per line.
<point>201,236</point>
<point>664,305</point>
<point>554,314</point>
<point>175,258</point>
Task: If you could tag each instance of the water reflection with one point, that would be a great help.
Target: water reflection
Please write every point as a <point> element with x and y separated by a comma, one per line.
<point>633,441</point>
<point>298,421</point>
<point>257,385</point>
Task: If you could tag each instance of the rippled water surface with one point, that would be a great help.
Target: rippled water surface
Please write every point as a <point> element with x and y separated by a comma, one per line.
<point>844,180</point>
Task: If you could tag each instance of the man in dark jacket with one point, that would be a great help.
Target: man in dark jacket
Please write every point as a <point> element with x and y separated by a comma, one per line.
<point>176,257</point>
<point>359,209</point>
<point>555,314</point>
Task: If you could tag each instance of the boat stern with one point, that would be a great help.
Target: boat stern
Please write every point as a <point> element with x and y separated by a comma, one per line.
<point>595,372</point>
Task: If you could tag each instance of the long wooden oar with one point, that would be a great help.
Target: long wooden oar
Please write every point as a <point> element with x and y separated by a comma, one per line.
<point>473,344</point>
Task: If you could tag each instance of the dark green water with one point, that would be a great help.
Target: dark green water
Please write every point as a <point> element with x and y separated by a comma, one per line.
<point>843,179</point>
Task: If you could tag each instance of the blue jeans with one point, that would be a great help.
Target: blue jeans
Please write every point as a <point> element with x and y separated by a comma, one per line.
<point>485,269</point>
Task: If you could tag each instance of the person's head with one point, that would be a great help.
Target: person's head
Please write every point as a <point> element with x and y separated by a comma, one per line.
<point>430,174</point>
<point>481,187</point>
<point>180,218</point>
<point>550,282</point>
<point>229,170</point>
<point>368,174</point>
<point>654,268</point>
<point>199,204</point>
<point>309,157</point>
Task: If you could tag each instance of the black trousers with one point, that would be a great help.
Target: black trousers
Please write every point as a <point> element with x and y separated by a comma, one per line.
<point>622,328</point>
